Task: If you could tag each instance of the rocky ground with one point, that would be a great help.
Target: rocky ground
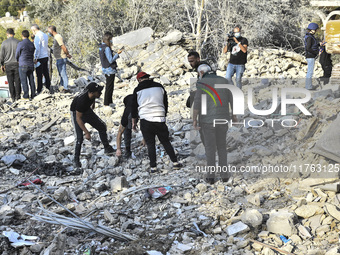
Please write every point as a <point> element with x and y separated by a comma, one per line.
<point>254,213</point>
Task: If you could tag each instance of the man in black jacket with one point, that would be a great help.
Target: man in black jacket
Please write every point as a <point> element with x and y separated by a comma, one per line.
<point>312,51</point>
<point>9,64</point>
<point>82,112</point>
<point>326,64</point>
<point>150,102</point>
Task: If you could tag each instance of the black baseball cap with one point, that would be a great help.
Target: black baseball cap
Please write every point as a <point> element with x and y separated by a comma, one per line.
<point>93,87</point>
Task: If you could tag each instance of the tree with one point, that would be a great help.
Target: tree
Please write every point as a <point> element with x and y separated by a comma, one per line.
<point>82,23</point>
<point>12,6</point>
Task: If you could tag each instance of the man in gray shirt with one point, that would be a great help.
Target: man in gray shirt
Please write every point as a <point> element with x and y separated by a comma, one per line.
<point>9,64</point>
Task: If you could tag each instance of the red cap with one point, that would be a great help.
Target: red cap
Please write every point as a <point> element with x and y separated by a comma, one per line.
<point>142,75</point>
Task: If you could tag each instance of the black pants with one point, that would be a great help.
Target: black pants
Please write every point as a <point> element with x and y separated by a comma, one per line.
<point>327,72</point>
<point>13,78</point>
<point>91,118</point>
<point>110,81</point>
<point>43,70</point>
<point>127,138</point>
<point>215,139</point>
<point>149,131</point>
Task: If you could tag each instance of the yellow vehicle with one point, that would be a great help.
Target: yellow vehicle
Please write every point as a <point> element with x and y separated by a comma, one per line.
<point>331,29</point>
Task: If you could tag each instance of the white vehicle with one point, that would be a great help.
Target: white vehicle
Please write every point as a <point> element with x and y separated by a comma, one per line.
<point>4,89</point>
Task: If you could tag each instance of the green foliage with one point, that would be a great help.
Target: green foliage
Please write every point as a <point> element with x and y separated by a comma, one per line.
<point>2,34</point>
<point>12,6</point>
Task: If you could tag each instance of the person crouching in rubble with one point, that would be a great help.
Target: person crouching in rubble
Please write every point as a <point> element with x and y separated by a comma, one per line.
<point>125,128</point>
<point>82,112</point>
<point>150,102</point>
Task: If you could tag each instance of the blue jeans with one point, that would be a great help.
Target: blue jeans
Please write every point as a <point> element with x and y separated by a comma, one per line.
<point>26,72</point>
<point>231,70</point>
<point>61,66</point>
<point>310,71</point>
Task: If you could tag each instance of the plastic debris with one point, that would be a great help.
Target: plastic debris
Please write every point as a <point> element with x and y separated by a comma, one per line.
<point>16,159</point>
<point>159,192</point>
<point>34,179</point>
<point>18,240</point>
<point>284,239</point>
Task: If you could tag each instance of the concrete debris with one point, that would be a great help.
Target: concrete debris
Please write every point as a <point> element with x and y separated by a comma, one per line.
<point>237,228</point>
<point>328,144</point>
<point>281,222</point>
<point>36,137</point>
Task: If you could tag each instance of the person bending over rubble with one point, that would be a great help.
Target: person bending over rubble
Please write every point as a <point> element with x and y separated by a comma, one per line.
<point>109,66</point>
<point>82,112</point>
<point>214,134</point>
<point>150,102</point>
<point>125,128</point>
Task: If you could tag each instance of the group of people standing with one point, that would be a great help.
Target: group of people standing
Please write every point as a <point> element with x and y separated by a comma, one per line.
<point>313,50</point>
<point>19,59</point>
<point>149,104</point>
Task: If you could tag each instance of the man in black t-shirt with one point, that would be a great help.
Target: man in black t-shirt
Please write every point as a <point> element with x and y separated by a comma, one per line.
<point>82,112</point>
<point>238,56</point>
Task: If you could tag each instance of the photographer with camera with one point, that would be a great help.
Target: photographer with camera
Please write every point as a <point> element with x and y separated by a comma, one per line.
<point>237,46</point>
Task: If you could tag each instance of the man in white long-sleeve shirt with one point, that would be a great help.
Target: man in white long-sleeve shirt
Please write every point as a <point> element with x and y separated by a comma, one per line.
<point>150,103</point>
<point>41,56</point>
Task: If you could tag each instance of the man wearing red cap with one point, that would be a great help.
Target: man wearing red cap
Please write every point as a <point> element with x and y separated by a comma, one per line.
<point>82,112</point>
<point>150,102</point>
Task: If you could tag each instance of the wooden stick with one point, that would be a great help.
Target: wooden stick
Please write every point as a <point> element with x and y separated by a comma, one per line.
<point>272,247</point>
<point>50,124</point>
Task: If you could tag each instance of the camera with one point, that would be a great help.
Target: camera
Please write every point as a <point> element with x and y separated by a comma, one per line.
<point>230,35</point>
<point>231,43</point>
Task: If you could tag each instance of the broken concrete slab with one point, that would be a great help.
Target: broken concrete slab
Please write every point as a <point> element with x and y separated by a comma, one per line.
<point>307,211</point>
<point>172,37</point>
<point>281,222</point>
<point>252,217</point>
<point>134,38</point>
<point>329,143</point>
<point>118,183</point>
<point>237,228</point>
<point>333,211</point>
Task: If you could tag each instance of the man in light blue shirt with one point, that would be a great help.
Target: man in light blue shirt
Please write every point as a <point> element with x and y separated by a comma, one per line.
<point>41,56</point>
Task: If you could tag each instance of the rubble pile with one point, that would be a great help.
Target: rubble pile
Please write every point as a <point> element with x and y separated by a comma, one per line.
<point>174,211</point>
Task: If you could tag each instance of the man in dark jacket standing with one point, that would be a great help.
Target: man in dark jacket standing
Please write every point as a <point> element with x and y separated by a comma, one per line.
<point>25,56</point>
<point>312,51</point>
<point>10,65</point>
<point>326,64</point>
<point>150,102</point>
<point>214,134</point>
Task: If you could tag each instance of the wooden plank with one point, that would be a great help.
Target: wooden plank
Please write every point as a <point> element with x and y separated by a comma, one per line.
<point>325,3</point>
<point>50,124</point>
